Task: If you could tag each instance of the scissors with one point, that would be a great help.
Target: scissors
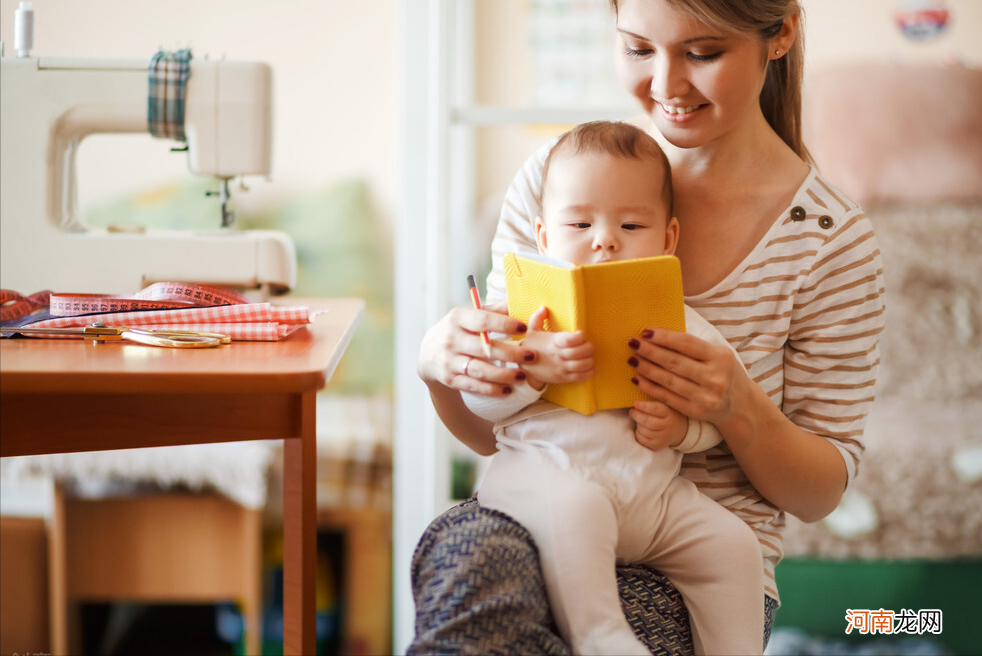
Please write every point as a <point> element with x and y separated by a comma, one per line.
<point>100,332</point>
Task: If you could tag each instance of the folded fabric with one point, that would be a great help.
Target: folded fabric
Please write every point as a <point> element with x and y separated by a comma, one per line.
<point>246,322</point>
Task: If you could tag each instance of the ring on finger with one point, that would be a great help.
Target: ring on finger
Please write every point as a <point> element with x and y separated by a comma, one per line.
<point>467,364</point>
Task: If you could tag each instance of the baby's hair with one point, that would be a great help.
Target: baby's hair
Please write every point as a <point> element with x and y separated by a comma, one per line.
<point>618,140</point>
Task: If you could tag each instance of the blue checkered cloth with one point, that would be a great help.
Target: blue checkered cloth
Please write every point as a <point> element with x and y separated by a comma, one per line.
<point>479,590</point>
<point>169,72</point>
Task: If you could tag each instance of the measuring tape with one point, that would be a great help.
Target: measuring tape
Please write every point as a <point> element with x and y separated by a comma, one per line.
<point>14,305</point>
<point>158,296</point>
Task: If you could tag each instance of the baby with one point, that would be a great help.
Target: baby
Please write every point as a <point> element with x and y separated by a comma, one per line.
<point>588,488</point>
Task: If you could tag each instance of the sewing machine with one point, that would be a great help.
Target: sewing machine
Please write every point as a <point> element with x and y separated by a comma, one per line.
<point>48,105</point>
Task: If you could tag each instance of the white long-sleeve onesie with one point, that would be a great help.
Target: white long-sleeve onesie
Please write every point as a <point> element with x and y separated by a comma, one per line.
<point>591,496</point>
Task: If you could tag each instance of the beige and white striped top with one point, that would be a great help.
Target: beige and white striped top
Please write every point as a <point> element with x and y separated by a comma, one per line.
<point>804,310</point>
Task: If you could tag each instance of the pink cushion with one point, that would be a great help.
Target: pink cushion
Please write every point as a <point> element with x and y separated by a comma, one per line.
<point>886,132</point>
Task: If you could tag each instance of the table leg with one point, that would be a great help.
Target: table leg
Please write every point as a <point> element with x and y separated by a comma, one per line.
<point>300,533</point>
<point>57,576</point>
<point>252,601</point>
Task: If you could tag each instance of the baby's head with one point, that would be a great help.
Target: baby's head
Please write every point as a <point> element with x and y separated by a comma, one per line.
<point>606,195</point>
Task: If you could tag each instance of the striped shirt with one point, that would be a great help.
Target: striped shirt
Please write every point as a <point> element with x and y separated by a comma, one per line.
<point>804,311</point>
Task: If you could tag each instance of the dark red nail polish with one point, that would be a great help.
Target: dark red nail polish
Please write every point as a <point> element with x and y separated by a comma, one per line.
<point>634,344</point>
<point>633,362</point>
<point>529,356</point>
<point>647,334</point>
<point>634,380</point>
<point>520,375</point>
<point>506,390</point>
<point>521,328</point>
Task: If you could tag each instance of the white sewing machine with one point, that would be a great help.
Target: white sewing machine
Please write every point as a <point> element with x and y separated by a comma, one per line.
<point>48,105</point>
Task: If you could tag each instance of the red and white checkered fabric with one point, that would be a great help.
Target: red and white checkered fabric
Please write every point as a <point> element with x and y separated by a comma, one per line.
<point>246,322</point>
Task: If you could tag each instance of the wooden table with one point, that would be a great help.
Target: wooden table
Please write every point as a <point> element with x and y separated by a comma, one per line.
<point>59,396</point>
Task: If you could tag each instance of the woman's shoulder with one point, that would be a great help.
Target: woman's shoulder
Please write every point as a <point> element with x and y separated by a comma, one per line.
<point>820,214</point>
<point>821,197</point>
<point>532,167</point>
<point>515,232</point>
<point>818,230</point>
<point>525,187</point>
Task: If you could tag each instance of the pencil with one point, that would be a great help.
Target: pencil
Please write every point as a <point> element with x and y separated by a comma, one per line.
<point>476,300</point>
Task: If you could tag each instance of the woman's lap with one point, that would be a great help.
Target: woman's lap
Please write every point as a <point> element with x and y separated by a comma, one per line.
<point>479,590</point>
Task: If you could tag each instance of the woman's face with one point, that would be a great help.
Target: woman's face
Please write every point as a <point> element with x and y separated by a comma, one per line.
<point>697,83</point>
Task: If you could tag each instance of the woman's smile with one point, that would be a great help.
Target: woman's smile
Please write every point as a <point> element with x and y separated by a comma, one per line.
<point>680,113</point>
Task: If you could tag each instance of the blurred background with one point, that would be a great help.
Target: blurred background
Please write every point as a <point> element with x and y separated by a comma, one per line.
<point>398,125</point>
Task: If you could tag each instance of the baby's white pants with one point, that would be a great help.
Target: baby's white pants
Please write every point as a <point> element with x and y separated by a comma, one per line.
<point>582,529</point>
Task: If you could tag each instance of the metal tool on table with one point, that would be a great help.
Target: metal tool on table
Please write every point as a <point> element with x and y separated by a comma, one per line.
<point>100,333</point>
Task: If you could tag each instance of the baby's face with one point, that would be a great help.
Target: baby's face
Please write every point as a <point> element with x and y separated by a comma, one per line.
<point>601,208</point>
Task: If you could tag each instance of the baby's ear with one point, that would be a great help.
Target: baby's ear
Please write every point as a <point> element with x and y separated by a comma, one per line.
<point>671,236</point>
<point>540,233</point>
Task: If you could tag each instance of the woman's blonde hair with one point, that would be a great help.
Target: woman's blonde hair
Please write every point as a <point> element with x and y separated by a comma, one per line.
<point>780,99</point>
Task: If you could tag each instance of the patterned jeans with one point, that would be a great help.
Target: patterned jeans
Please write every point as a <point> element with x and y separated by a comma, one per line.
<point>478,590</point>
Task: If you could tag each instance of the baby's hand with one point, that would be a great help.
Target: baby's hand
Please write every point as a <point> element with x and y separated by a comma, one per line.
<point>560,357</point>
<point>658,425</point>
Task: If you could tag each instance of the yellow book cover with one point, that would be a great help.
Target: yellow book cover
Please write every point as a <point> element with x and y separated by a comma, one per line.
<point>611,303</point>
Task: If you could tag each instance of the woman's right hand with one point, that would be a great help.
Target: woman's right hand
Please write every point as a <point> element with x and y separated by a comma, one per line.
<point>451,353</point>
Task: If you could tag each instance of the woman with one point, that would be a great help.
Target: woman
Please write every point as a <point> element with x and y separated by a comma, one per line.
<point>782,264</point>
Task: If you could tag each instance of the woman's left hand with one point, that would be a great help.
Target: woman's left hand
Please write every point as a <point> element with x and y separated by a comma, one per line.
<point>798,471</point>
<point>699,379</point>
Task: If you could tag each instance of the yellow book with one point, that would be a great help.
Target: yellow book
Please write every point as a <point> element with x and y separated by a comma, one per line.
<point>611,303</point>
